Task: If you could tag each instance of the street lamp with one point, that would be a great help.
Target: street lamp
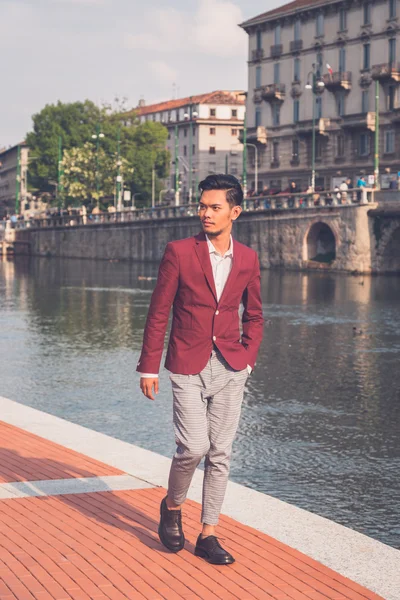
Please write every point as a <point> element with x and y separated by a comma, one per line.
<point>192,114</point>
<point>317,86</point>
<point>97,136</point>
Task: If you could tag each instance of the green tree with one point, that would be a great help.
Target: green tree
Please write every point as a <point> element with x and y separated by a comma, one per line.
<point>141,146</point>
<point>84,169</point>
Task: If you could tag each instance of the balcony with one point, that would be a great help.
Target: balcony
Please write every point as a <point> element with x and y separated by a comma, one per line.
<point>322,127</point>
<point>273,92</point>
<point>359,121</point>
<point>276,50</point>
<point>258,97</point>
<point>341,80</point>
<point>296,45</point>
<point>386,71</point>
<point>257,55</point>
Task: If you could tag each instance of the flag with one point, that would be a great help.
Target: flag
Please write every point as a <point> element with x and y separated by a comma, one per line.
<point>328,66</point>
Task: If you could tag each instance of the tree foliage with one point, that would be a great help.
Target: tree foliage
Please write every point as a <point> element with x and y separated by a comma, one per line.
<point>141,147</point>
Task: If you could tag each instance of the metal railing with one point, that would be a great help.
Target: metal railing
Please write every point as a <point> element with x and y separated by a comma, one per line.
<point>280,201</point>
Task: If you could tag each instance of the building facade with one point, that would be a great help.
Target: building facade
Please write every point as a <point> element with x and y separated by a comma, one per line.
<point>13,179</point>
<point>339,49</point>
<point>203,137</point>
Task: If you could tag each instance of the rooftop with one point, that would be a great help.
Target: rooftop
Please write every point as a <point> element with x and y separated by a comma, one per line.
<point>217,97</point>
<point>290,7</point>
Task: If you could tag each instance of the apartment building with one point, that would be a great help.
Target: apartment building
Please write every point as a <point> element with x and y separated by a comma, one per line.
<point>203,133</point>
<point>339,49</point>
<point>13,178</point>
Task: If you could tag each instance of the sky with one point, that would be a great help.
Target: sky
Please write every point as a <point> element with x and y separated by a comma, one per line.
<point>71,50</point>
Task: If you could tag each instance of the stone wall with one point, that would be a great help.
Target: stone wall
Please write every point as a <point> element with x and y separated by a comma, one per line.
<point>288,239</point>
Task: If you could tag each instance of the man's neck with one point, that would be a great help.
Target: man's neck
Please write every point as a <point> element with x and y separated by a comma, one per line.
<point>221,242</point>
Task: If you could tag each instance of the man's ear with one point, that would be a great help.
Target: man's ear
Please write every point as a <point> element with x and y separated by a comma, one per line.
<point>236,210</point>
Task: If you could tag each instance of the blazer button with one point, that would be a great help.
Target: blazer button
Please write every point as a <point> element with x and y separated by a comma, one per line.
<point>217,312</point>
<point>214,338</point>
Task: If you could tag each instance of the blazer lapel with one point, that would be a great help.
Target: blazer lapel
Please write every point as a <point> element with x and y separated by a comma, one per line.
<point>203,255</point>
<point>237,257</point>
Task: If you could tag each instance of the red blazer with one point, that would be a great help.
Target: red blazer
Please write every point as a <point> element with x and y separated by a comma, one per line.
<point>185,281</point>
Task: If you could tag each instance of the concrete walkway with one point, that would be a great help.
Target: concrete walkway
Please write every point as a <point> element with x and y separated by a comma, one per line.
<point>79,514</point>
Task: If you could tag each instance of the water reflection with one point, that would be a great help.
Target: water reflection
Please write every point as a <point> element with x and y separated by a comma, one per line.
<point>320,424</point>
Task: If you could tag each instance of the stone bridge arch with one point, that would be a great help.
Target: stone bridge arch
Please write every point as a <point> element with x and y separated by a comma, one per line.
<point>390,251</point>
<point>320,243</point>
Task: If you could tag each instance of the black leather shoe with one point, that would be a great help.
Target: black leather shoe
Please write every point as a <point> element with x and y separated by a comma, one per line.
<point>211,550</point>
<point>170,528</point>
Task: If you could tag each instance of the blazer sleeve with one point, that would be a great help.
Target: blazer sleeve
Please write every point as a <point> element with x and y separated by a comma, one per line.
<point>157,317</point>
<point>252,318</point>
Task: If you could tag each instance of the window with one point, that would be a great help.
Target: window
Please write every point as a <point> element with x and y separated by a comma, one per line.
<point>275,152</point>
<point>234,113</point>
<point>367,13</point>
<point>258,77</point>
<point>185,132</point>
<point>389,141</point>
<point>297,30</point>
<point>296,70</point>
<point>318,107</point>
<point>392,9</point>
<point>184,151</point>
<point>234,132</point>
<point>318,148</point>
<point>212,167</point>
<point>213,112</point>
<point>320,25</point>
<point>212,130</point>
<point>340,148</point>
<point>363,144</point>
<point>234,168</point>
<point>259,40</point>
<point>340,104</point>
<point>277,35</point>
<point>277,72</point>
<point>342,19</point>
<point>212,150</point>
<point>295,149</point>
<point>296,110</point>
<point>276,115</point>
<point>258,117</point>
<point>391,102</point>
<point>342,60</point>
<point>392,51</point>
<point>366,56</point>
<point>365,101</point>
<point>193,149</point>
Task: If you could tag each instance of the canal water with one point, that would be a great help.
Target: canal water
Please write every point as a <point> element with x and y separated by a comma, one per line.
<point>321,417</point>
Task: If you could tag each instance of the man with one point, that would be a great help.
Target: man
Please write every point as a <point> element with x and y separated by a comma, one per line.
<point>205,278</point>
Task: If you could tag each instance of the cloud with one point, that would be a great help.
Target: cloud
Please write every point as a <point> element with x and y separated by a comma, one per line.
<point>164,72</point>
<point>212,29</point>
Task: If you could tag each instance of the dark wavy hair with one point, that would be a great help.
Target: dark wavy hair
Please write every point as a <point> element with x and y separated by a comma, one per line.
<point>234,192</point>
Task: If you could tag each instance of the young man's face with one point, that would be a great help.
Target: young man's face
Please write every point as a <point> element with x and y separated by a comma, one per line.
<point>215,212</point>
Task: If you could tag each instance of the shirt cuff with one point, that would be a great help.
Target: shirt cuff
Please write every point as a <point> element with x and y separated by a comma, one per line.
<point>152,375</point>
<point>249,369</point>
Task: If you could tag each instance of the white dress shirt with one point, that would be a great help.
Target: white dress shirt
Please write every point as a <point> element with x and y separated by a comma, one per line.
<point>221,265</point>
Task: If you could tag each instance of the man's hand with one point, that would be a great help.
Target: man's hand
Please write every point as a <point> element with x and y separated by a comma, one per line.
<point>147,384</point>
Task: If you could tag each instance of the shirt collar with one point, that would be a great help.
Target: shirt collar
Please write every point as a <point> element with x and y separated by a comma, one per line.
<point>212,249</point>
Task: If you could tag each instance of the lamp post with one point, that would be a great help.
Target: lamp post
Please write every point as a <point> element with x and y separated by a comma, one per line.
<point>190,116</point>
<point>59,171</point>
<point>376,149</point>
<point>118,187</point>
<point>317,87</point>
<point>97,136</point>
<point>256,166</point>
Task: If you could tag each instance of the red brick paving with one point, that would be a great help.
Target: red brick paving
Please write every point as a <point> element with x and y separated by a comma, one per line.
<point>104,545</point>
<point>28,457</point>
